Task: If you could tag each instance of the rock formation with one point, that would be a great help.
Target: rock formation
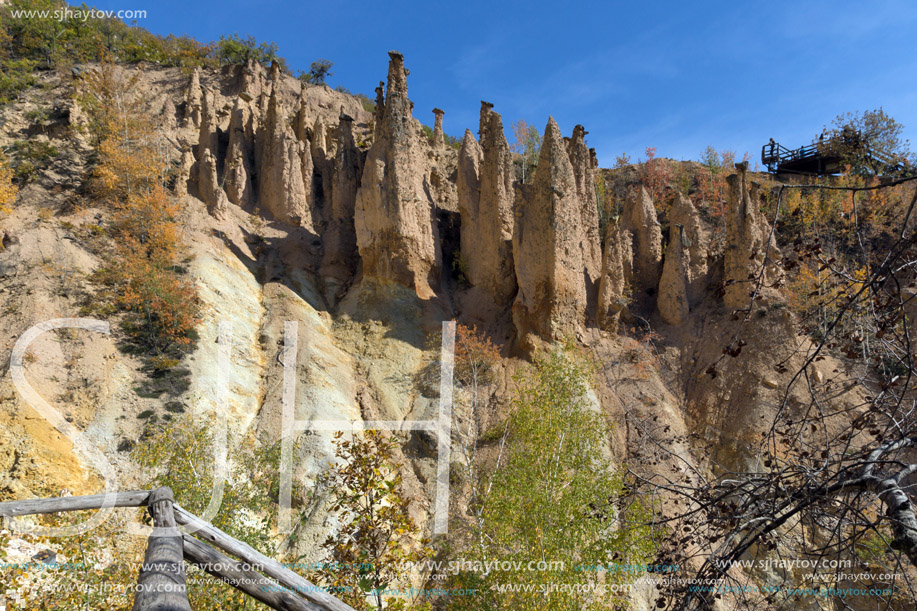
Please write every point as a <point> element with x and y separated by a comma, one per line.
<point>438,141</point>
<point>301,124</point>
<point>194,100</point>
<point>251,82</point>
<point>551,301</point>
<point>639,218</point>
<point>394,212</point>
<point>673,285</point>
<point>616,276</point>
<point>237,168</point>
<point>281,185</point>
<point>696,242</point>
<point>208,139</point>
<point>379,110</point>
<point>746,242</point>
<point>584,166</point>
<point>262,159</point>
<point>207,181</point>
<point>486,207</point>
<point>468,178</point>
<point>339,262</point>
<point>183,176</point>
<point>322,163</point>
<point>209,186</point>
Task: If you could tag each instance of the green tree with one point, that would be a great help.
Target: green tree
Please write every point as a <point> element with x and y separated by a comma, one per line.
<point>237,50</point>
<point>870,142</point>
<point>378,540</point>
<point>556,498</point>
<point>318,72</point>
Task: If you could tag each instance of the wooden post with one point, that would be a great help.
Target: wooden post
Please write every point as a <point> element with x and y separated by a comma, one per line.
<point>162,577</point>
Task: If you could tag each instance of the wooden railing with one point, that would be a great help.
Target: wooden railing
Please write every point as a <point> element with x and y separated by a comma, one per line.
<point>161,582</point>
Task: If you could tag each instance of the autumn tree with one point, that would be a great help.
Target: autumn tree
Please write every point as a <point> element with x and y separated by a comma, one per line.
<point>8,189</point>
<point>378,541</point>
<point>710,185</point>
<point>527,145</point>
<point>130,178</point>
<point>870,143</point>
<point>656,176</point>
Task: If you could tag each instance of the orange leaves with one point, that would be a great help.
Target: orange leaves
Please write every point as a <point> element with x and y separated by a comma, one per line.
<point>165,302</point>
<point>656,176</point>
<point>149,219</point>
<point>131,158</point>
<point>8,190</point>
<point>130,179</point>
<point>475,354</point>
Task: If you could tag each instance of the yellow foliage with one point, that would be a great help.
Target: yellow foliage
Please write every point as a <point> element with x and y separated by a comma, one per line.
<point>130,178</point>
<point>8,190</point>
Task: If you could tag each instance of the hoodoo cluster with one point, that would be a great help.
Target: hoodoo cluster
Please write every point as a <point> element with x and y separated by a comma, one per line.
<point>532,248</point>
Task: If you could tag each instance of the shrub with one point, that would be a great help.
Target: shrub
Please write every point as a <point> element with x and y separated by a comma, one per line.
<point>378,538</point>
<point>318,72</point>
<point>130,178</point>
<point>8,190</point>
<point>656,176</point>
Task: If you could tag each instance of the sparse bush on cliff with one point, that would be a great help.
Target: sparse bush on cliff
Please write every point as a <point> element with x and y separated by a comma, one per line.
<point>657,177</point>
<point>318,72</point>
<point>141,270</point>
<point>8,190</point>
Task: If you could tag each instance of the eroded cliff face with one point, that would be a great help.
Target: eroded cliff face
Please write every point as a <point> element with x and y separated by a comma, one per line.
<point>260,142</point>
<point>395,223</point>
<point>486,206</point>
<point>547,248</point>
<point>302,206</point>
<point>750,247</point>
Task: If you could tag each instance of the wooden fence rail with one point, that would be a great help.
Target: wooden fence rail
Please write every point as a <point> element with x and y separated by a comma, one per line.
<point>161,581</point>
<point>243,577</point>
<point>136,498</point>
<point>270,567</point>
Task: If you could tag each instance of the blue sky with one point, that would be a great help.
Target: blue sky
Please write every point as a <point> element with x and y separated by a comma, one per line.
<point>677,76</point>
